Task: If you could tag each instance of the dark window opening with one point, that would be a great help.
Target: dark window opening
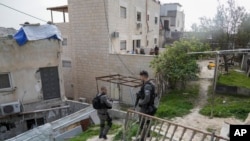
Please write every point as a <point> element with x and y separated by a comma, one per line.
<point>156,20</point>
<point>5,81</point>
<point>139,16</point>
<point>50,83</point>
<point>138,43</point>
<point>33,123</point>
<point>166,25</point>
<point>66,64</point>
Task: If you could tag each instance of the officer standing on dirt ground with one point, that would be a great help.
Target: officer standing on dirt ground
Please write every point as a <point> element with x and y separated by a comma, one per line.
<point>145,99</point>
<point>103,113</point>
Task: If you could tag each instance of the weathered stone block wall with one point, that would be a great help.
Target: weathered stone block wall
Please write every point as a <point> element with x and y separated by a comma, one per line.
<point>92,46</point>
<point>67,55</point>
<point>23,63</point>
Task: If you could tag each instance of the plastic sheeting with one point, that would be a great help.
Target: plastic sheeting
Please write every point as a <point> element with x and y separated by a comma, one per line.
<point>32,33</point>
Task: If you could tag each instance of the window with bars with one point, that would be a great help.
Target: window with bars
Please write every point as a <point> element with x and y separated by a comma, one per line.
<point>123,12</point>
<point>5,82</point>
<point>123,45</point>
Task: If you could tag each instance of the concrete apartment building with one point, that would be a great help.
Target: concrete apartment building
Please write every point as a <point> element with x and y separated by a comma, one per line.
<point>172,16</point>
<point>101,36</point>
<point>172,23</point>
<point>133,24</point>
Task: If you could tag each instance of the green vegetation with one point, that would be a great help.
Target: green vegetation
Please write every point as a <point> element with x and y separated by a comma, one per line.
<point>132,133</point>
<point>228,106</point>
<point>94,131</point>
<point>178,103</point>
<point>234,78</point>
<point>175,65</point>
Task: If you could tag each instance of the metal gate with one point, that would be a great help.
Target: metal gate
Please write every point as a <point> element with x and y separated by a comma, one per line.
<point>139,125</point>
<point>50,83</point>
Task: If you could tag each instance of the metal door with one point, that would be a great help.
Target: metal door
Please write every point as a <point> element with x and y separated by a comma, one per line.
<point>50,83</point>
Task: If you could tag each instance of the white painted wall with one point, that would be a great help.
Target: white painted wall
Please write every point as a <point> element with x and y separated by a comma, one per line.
<point>127,27</point>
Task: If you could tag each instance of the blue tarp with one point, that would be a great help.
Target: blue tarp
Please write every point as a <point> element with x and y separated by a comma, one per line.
<point>32,33</point>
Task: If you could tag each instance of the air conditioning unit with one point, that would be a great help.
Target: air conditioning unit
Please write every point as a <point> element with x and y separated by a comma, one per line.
<point>138,25</point>
<point>10,108</point>
<point>116,34</point>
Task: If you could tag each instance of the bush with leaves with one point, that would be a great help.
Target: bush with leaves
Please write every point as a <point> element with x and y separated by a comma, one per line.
<point>175,65</point>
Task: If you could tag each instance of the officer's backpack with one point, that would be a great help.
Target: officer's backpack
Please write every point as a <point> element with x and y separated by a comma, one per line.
<point>97,102</point>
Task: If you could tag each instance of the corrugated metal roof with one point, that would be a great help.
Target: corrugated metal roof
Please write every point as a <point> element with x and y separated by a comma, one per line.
<point>48,131</point>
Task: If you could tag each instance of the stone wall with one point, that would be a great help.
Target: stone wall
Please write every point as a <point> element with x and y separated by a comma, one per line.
<point>23,64</point>
<point>232,90</point>
<point>67,60</point>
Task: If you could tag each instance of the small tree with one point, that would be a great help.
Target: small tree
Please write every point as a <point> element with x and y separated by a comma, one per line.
<point>175,65</point>
<point>243,36</point>
<point>224,26</point>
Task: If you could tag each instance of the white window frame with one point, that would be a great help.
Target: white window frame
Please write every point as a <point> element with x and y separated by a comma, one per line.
<point>10,80</point>
<point>121,16</point>
<point>123,41</point>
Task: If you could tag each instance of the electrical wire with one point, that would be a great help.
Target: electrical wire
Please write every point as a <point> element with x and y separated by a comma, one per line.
<point>112,47</point>
<point>22,12</point>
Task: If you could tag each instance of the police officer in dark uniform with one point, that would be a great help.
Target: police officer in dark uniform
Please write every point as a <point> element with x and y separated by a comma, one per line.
<point>103,113</point>
<point>145,100</point>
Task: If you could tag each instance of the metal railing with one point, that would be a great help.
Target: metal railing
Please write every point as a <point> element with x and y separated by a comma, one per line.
<point>142,127</point>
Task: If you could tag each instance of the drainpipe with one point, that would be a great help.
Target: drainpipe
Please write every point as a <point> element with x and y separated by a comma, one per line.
<point>147,21</point>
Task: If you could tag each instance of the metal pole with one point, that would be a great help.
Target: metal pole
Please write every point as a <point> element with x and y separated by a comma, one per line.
<point>51,16</point>
<point>214,83</point>
<point>64,16</point>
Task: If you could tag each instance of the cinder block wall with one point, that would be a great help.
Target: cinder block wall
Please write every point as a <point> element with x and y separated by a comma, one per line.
<point>90,43</point>
<point>90,40</point>
<point>67,55</point>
